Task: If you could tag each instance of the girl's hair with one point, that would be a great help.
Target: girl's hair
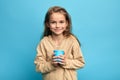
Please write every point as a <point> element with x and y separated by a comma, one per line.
<point>58,9</point>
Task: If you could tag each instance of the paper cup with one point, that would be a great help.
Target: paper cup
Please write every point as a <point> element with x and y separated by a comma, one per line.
<point>58,53</point>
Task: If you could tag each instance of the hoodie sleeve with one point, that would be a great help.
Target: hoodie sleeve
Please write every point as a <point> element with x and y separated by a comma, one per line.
<point>42,65</point>
<point>77,61</point>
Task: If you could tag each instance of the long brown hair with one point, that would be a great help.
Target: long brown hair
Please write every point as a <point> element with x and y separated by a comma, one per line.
<point>58,9</point>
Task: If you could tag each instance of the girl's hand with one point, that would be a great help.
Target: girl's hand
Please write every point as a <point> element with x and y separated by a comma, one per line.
<point>63,60</point>
<point>54,62</point>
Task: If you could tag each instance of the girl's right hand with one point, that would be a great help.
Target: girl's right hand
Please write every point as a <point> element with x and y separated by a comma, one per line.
<point>54,62</point>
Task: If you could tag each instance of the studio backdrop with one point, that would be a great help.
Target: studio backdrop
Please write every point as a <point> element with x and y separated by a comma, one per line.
<point>96,23</point>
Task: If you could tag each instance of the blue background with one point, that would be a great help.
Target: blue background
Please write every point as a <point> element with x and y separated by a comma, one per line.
<point>95,22</point>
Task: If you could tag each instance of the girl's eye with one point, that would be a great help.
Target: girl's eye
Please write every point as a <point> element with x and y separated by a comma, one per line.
<point>61,21</point>
<point>52,22</point>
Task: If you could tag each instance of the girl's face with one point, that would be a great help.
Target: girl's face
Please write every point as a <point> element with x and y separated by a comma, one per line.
<point>57,23</point>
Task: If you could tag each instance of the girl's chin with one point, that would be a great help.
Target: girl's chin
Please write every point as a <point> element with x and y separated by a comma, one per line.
<point>57,34</point>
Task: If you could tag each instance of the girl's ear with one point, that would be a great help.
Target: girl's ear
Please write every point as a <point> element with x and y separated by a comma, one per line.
<point>48,24</point>
<point>66,23</point>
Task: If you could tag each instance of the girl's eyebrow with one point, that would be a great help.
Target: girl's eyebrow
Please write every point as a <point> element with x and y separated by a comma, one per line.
<point>51,20</point>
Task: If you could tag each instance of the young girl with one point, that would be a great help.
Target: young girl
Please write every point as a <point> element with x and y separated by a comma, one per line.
<point>57,36</point>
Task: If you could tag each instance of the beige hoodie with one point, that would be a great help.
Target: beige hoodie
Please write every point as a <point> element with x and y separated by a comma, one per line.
<point>74,59</point>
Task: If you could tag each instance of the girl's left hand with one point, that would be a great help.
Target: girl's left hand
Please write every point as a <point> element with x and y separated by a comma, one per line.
<point>63,60</point>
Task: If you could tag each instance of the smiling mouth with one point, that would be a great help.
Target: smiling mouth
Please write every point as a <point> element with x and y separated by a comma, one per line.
<point>58,29</point>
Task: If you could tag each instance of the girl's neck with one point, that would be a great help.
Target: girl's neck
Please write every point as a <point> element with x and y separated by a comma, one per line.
<point>57,39</point>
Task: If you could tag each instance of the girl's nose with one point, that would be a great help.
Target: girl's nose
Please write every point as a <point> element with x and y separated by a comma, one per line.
<point>57,25</point>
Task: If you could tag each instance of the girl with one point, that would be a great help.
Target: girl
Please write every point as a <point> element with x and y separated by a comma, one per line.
<point>57,36</point>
